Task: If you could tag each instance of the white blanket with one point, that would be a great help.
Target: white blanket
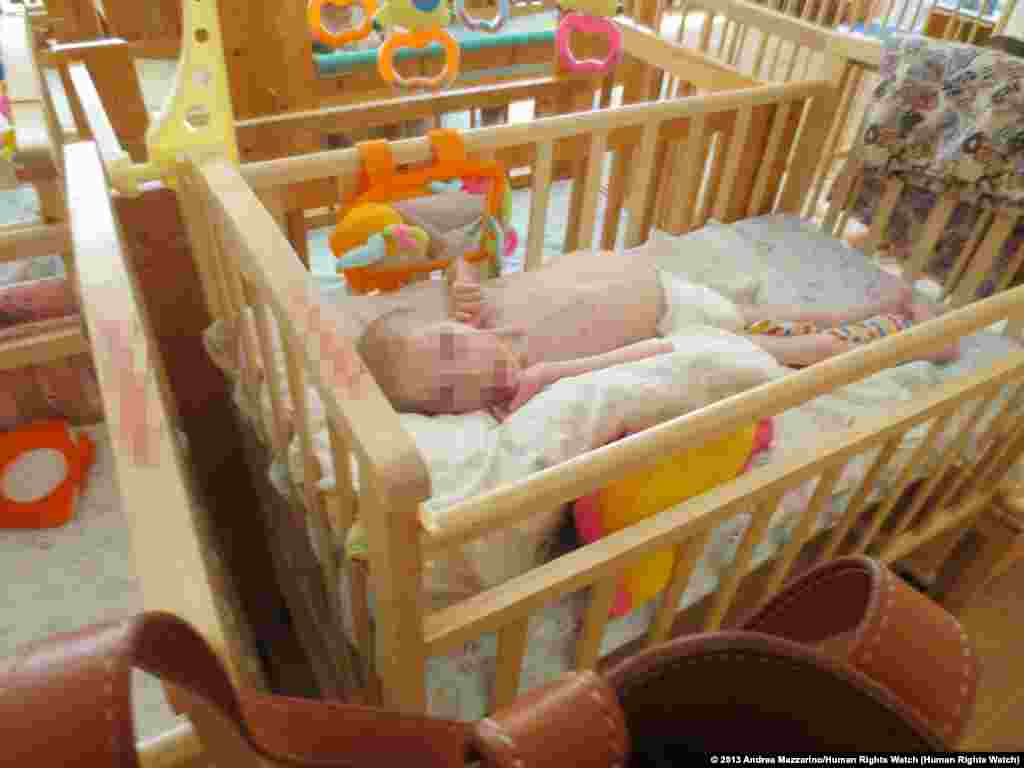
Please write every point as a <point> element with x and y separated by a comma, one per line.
<point>471,454</point>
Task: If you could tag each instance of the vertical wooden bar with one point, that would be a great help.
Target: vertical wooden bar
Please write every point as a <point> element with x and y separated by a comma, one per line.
<point>737,145</point>
<point>681,215</point>
<point>687,556</point>
<point>767,170</point>
<point>984,260</point>
<point>883,213</point>
<point>859,500</point>
<point>599,605</point>
<point>740,565</point>
<point>591,190</point>
<point>894,494</point>
<point>539,196</point>
<point>802,532</point>
<point>934,226</point>
<point>967,253</point>
<point>512,639</point>
<point>640,176</point>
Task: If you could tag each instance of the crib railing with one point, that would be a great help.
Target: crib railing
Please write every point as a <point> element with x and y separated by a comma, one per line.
<point>770,44</point>
<point>247,261</point>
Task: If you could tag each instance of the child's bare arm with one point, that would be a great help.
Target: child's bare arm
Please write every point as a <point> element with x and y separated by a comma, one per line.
<point>639,351</point>
<point>541,375</point>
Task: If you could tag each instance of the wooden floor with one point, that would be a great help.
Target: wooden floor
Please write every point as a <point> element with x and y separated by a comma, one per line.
<point>994,622</point>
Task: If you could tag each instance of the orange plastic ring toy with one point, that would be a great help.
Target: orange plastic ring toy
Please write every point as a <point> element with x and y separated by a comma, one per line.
<point>419,39</point>
<point>316,26</point>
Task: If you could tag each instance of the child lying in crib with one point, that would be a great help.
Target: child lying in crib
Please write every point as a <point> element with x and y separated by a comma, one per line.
<point>463,346</point>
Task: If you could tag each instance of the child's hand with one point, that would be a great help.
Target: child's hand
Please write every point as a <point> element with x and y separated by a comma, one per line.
<point>531,381</point>
<point>466,302</point>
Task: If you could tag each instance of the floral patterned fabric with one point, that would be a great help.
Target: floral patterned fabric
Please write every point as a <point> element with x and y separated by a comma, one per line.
<point>946,116</point>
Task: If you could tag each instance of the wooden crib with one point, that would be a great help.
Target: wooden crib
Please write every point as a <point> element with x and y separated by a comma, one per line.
<point>37,161</point>
<point>727,154</point>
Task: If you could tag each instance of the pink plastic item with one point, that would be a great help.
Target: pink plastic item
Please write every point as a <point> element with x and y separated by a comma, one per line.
<point>594,25</point>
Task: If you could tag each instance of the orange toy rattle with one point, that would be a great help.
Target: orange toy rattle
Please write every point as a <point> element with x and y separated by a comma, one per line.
<point>341,34</point>
<point>424,22</point>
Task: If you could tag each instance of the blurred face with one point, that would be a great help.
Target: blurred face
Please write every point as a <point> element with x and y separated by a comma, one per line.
<point>461,369</point>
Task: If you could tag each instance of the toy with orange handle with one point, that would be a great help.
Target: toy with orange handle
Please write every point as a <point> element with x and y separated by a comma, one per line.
<point>423,22</point>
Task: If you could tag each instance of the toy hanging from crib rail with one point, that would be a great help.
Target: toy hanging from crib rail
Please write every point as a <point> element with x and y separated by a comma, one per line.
<point>424,22</point>
<point>589,17</point>
<point>377,250</point>
<point>483,25</point>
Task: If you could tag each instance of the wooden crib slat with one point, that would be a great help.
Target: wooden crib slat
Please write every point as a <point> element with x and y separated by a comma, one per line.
<point>984,260</point>
<point>859,500</point>
<point>591,190</point>
<point>1012,266</point>
<point>803,530</point>
<point>709,179</point>
<point>540,191</point>
<point>687,556</point>
<point>512,641</point>
<point>934,226</point>
<point>280,433</point>
<point>849,82</point>
<point>250,371</point>
<point>844,195</point>
<point>967,253</point>
<point>688,170</point>
<point>983,442</point>
<point>762,46</point>
<point>310,465</point>
<point>906,477</point>
<point>767,170</point>
<point>639,195</point>
<point>993,474</point>
<point>599,604</point>
<point>737,145</point>
<point>740,565</point>
<point>950,457</point>
<point>725,35</point>
<point>883,213</point>
<point>622,160</point>
<point>359,600</point>
<point>343,502</point>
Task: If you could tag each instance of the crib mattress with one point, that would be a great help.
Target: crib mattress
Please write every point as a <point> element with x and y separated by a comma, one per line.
<point>805,267</point>
<point>459,684</point>
<point>532,29</point>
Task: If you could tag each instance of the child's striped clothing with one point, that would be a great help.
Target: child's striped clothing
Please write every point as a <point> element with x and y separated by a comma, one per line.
<point>873,328</point>
<point>781,328</point>
<point>867,330</point>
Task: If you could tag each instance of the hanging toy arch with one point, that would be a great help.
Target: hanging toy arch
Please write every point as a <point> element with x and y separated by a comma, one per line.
<point>412,24</point>
<point>592,17</point>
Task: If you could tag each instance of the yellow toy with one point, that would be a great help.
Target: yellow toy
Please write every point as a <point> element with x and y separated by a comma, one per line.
<point>673,481</point>
<point>374,235</point>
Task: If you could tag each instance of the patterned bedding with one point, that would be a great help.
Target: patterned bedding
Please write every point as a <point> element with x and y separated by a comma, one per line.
<point>819,271</point>
<point>946,116</point>
<point>799,265</point>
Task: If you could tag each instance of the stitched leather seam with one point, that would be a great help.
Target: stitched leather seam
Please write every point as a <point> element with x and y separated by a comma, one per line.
<point>732,656</point>
<point>866,652</point>
<point>616,737</point>
<point>785,600</point>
